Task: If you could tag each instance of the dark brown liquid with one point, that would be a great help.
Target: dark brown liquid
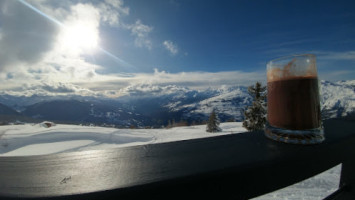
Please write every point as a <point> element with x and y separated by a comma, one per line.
<point>294,103</point>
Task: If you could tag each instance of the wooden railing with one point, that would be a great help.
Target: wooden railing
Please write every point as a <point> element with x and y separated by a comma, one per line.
<point>236,166</point>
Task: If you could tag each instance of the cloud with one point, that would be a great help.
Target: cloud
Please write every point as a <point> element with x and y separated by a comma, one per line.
<point>28,39</point>
<point>25,36</point>
<point>37,61</point>
<point>171,47</point>
<point>58,87</point>
<point>141,32</point>
<point>202,80</point>
<point>49,88</point>
<point>90,83</point>
<point>32,37</point>
<point>30,31</point>
<point>336,75</point>
<point>139,90</point>
<point>194,80</point>
<point>112,85</point>
<point>34,56</point>
<point>111,11</point>
<point>34,49</point>
<point>332,55</point>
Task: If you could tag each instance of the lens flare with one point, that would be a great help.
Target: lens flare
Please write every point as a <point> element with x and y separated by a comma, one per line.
<point>78,36</point>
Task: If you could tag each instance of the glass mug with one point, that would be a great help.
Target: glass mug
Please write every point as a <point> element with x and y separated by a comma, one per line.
<point>293,102</point>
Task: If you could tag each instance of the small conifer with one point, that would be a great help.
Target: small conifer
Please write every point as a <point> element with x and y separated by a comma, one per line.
<point>255,115</point>
<point>213,123</point>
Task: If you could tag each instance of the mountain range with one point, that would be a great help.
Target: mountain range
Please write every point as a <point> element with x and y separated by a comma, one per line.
<point>156,106</point>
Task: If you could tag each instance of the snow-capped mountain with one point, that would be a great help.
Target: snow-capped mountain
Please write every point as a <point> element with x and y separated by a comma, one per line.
<point>181,103</point>
<point>229,102</point>
<point>153,105</point>
<point>338,99</point>
<point>78,111</point>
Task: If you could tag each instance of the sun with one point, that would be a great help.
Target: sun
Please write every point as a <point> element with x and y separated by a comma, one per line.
<point>79,37</point>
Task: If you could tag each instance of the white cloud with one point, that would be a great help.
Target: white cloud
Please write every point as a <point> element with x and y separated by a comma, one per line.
<point>335,65</point>
<point>37,58</point>
<point>171,47</point>
<point>55,69</point>
<point>50,89</point>
<point>141,32</point>
<point>21,30</point>
<point>140,90</point>
<point>35,49</point>
<point>193,80</point>
<point>58,11</point>
<point>331,55</point>
<point>31,43</point>
<point>25,27</point>
<point>112,10</point>
<point>336,75</point>
<point>86,82</point>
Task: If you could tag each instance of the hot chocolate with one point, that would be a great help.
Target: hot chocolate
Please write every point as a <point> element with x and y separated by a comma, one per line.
<point>294,103</point>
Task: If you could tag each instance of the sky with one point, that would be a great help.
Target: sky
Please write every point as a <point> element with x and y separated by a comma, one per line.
<point>97,47</point>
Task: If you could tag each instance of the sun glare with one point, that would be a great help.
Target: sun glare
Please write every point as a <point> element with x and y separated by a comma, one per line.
<point>79,37</point>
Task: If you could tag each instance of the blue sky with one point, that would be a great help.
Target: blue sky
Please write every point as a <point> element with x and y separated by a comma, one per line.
<point>104,46</point>
<point>240,35</point>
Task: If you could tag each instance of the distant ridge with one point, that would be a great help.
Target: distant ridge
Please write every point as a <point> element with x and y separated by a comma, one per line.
<point>5,110</point>
<point>157,106</point>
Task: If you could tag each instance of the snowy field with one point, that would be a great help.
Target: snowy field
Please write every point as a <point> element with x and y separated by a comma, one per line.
<point>36,139</point>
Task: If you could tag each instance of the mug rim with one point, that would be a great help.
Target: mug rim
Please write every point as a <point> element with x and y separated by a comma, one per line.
<point>288,57</point>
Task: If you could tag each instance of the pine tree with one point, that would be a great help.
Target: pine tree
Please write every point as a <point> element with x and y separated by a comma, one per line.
<point>213,123</point>
<point>255,115</point>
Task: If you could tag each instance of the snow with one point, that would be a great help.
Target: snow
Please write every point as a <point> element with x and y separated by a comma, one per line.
<point>49,148</point>
<point>314,188</point>
<point>31,139</point>
<point>227,100</point>
<point>36,139</point>
<point>338,97</point>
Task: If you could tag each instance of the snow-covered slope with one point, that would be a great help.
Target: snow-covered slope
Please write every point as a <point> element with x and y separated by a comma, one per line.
<point>338,99</point>
<point>229,103</point>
